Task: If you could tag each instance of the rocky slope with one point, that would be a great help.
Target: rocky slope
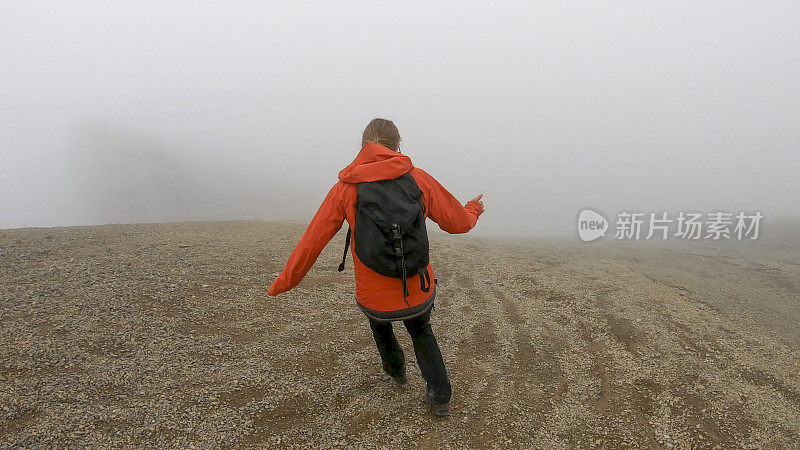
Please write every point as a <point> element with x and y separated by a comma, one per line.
<point>163,335</point>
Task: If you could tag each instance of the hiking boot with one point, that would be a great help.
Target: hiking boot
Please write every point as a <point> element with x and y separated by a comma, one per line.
<point>401,380</point>
<point>398,380</point>
<point>439,409</point>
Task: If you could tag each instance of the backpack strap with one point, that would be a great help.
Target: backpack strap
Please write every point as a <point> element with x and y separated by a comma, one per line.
<point>346,246</point>
<point>398,252</point>
<point>424,280</point>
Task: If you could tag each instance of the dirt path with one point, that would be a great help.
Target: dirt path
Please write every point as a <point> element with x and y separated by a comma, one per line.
<point>163,335</point>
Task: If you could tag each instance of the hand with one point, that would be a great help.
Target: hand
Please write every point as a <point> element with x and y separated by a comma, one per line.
<point>479,202</point>
<point>273,289</point>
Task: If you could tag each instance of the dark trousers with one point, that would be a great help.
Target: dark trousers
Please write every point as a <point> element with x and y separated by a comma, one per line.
<point>429,357</point>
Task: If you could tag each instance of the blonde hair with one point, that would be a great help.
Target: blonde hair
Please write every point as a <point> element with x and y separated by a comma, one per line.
<point>383,132</point>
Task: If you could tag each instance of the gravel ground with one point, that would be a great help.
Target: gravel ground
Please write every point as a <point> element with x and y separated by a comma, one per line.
<point>162,335</point>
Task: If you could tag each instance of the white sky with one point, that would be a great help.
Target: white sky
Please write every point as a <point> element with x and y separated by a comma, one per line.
<point>161,110</point>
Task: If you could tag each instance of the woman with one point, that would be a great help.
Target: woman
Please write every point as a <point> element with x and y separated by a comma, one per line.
<point>384,298</point>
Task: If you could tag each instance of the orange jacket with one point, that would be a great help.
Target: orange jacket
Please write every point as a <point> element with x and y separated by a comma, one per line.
<point>373,290</point>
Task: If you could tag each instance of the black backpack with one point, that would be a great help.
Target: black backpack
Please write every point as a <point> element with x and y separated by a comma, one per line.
<point>390,235</point>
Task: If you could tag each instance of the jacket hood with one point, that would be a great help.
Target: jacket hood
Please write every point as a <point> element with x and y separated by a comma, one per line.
<point>374,163</point>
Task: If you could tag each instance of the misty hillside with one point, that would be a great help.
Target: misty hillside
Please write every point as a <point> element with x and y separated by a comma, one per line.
<point>123,177</point>
<point>162,335</point>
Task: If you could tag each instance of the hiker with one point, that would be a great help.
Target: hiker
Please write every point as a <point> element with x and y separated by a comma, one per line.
<point>385,200</point>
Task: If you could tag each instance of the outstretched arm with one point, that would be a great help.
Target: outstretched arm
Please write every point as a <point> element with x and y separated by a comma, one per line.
<point>447,211</point>
<point>326,222</point>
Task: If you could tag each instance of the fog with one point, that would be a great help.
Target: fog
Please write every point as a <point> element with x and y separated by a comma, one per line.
<point>164,111</point>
